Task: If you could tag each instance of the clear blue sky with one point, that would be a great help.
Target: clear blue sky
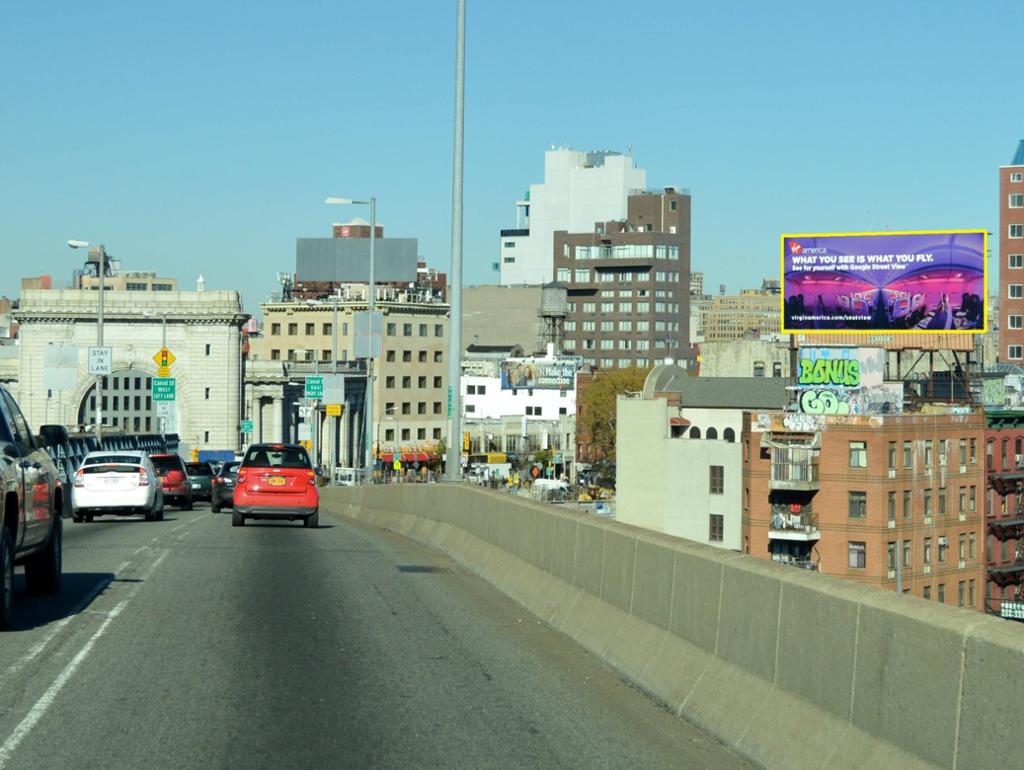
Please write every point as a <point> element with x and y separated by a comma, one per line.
<point>199,137</point>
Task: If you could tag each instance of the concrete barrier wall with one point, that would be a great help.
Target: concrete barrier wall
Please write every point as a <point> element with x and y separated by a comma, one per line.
<point>792,669</point>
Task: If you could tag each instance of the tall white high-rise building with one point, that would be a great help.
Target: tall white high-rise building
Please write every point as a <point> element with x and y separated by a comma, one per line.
<point>579,189</point>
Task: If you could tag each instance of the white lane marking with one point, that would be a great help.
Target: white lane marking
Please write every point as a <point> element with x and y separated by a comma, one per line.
<point>41,645</point>
<point>152,567</point>
<point>38,711</point>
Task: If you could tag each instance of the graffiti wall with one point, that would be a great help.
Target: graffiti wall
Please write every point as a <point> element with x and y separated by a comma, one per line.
<point>844,380</point>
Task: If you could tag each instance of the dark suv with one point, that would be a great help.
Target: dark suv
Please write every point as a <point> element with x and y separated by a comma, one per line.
<point>200,475</point>
<point>174,478</point>
<point>33,503</point>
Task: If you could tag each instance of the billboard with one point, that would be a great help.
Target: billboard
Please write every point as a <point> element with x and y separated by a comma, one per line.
<point>921,281</point>
<point>844,380</point>
<point>538,373</point>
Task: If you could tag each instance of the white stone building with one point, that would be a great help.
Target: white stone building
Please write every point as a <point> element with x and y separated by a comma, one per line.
<point>579,189</point>
<point>203,332</point>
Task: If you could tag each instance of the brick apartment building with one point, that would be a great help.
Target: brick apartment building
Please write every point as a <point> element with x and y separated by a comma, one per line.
<point>1004,511</point>
<point>1011,259</point>
<point>882,500</point>
<point>629,283</point>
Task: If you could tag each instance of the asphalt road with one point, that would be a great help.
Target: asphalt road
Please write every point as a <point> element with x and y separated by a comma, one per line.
<point>189,643</point>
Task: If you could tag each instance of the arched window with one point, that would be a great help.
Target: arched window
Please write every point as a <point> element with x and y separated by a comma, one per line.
<point>1017,446</point>
<point>712,433</point>
<point>729,435</point>
<point>694,432</point>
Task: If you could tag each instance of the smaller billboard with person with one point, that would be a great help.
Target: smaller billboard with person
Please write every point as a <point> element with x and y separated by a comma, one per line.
<point>538,373</point>
<point>914,281</point>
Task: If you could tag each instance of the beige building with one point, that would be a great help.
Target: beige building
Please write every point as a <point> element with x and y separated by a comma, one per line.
<point>502,315</point>
<point>410,383</point>
<point>752,312</point>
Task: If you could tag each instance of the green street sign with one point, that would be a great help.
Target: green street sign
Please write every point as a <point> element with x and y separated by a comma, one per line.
<point>164,389</point>
<point>314,387</point>
<point>449,402</point>
<point>246,426</point>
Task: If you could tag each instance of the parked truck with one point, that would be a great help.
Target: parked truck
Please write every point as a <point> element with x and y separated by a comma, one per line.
<point>33,504</point>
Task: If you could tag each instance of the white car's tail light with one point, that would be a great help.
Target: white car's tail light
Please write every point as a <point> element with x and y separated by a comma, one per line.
<point>143,478</point>
<point>80,478</point>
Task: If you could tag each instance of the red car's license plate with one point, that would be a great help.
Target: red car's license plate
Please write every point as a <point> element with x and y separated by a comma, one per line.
<point>276,481</point>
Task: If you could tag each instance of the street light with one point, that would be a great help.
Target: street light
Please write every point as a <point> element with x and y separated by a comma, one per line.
<point>389,411</point>
<point>102,252</point>
<point>372,305</point>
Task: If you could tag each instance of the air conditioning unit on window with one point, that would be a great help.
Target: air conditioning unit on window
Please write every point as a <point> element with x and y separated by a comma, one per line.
<point>1018,459</point>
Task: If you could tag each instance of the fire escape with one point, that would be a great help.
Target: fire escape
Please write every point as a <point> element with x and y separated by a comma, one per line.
<point>793,482</point>
<point>1004,529</point>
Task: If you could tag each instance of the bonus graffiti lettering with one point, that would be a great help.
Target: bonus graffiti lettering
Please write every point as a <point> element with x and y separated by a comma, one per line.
<point>822,402</point>
<point>838,372</point>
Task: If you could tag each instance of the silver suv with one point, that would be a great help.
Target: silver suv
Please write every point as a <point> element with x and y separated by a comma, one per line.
<point>33,503</point>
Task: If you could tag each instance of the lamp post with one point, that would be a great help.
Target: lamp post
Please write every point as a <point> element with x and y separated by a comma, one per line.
<point>389,411</point>
<point>101,271</point>
<point>371,289</point>
<point>453,455</point>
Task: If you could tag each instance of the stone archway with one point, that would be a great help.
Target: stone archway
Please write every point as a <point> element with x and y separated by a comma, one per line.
<point>127,401</point>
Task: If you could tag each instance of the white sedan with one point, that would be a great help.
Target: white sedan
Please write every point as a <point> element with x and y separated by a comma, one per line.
<point>119,482</point>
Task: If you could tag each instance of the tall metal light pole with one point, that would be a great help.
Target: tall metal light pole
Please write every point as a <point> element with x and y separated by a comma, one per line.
<point>102,253</point>
<point>371,306</point>
<point>453,455</point>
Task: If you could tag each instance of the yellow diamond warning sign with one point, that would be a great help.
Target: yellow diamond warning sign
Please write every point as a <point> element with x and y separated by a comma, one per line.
<point>164,358</point>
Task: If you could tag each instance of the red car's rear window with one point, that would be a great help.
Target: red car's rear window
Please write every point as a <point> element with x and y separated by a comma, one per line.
<point>165,463</point>
<point>276,457</point>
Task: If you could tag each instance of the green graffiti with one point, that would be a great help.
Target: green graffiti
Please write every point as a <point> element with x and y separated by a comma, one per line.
<point>844,372</point>
<point>822,402</point>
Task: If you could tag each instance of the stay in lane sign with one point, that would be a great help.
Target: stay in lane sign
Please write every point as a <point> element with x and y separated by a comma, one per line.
<point>163,389</point>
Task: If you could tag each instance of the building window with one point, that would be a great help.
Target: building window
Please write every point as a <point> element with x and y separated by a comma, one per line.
<point>208,349</point>
<point>390,356</point>
<point>437,381</point>
<point>207,394</point>
<point>310,329</point>
<point>970,593</point>
<point>423,330</point>
<point>407,381</point>
<point>716,527</point>
<point>293,329</point>
<point>1016,290</point>
<point>389,381</point>
<point>926,592</point>
<point>942,501</point>
<point>892,455</point>
<point>907,512</point>
<point>391,329</point>
<point>437,433</point>
<point>1016,201</point>
<point>438,330</point>
<point>406,356</point>
<point>1015,351</point>
<point>891,511</point>
<point>1016,261</point>
<point>1016,176</point>
<point>717,479</point>
<point>275,355</point>
<point>858,552</point>
<point>406,330</point>
<point>437,356</point>
<point>406,434</point>
<point>421,407</point>
<point>1017,231</point>
<point>437,407</point>
<point>927,504</point>
<point>858,454</point>
<point>970,546</point>
<point>275,329</point>
<point>328,329</point>
<point>406,407</point>
<point>906,553</point>
<point>389,434</point>
<point>421,357</point>
<point>421,382</point>
<point>942,593</point>
<point>908,454</point>
<point>858,505</point>
<point>962,547</point>
<point>891,556</point>
<point>927,551</point>
<point>963,451</point>
<point>943,549</point>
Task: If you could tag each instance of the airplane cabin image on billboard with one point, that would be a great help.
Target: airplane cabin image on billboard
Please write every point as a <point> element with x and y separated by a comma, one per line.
<point>920,281</point>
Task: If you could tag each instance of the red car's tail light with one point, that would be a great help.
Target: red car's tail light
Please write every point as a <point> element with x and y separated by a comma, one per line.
<point>241,476</point>
<point>80,478</point>
<point>312,478</point>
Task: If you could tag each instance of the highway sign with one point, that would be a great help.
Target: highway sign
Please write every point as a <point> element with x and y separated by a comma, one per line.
<point>164,357</point>
<point>164,388</point>
<point>449,402</point>
<point>100,360</point>
<point>334,410</point>
<point>314,387</point>
<point>246,426</point>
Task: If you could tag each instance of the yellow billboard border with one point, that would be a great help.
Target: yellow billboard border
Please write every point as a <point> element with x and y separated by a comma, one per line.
<point>942,332</point>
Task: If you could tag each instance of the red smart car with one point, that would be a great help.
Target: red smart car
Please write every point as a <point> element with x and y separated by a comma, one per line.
<point>276,481</point>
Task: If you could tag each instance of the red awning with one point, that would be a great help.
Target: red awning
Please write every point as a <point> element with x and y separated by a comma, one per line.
<point>387,457</point>
<point>406,457</point>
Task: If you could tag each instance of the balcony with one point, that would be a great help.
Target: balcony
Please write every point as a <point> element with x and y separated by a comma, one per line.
<point>793,526</point>
<point>801,476</point>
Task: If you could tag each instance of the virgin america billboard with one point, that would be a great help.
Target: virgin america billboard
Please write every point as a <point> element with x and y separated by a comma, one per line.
<point>921,281</point>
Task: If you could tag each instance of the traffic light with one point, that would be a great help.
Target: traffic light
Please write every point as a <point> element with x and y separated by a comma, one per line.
<point>195,454</point>
<point>465,441</point>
